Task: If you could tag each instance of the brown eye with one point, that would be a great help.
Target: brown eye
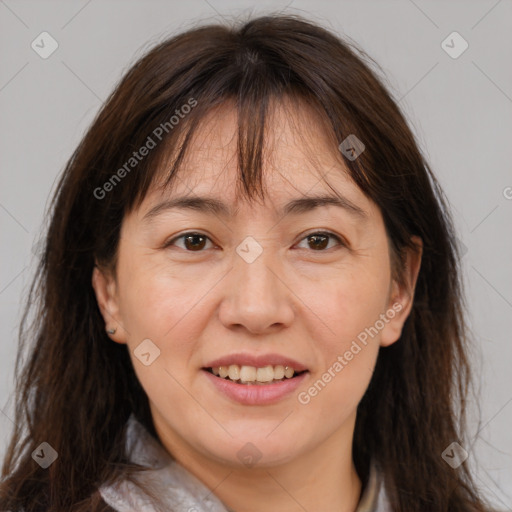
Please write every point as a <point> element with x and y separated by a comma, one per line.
<point>319,241</point>
<point>195,242</point>
<point>192,242</point>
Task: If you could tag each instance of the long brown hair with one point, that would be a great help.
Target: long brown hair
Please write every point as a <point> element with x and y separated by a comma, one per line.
<point>76,389</point>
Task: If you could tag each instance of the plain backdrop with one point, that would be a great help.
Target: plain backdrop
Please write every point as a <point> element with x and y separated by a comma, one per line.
<point>459,108</point>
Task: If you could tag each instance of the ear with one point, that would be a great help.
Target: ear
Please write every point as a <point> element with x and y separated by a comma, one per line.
<point>104,284</point>
<point>401,296</point>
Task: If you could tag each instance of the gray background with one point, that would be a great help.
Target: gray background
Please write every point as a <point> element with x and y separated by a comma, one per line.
<point>460,110</point>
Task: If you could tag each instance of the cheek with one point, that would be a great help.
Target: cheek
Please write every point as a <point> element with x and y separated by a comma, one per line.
<point>156,300</point>
<point>347,334</point>
<point>164,308</point>
<point>347,362</point>
<point>349,304</point>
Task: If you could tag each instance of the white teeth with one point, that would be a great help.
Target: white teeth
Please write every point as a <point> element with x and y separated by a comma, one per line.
<point>245,374</point>
<point>278,372</point>
<point>265,374</point>
<point>234,372</point>
<point>288,372</point>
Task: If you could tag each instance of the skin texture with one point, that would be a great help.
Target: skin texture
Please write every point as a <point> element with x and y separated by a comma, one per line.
<point>294,299</point>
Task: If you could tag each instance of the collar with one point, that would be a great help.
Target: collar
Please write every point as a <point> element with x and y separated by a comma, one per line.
<point>178,489</point>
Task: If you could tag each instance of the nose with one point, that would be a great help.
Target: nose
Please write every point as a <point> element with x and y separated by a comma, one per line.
<point>257,297</point>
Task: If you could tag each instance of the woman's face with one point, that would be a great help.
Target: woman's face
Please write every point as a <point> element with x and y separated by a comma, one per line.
<point>255,283</point>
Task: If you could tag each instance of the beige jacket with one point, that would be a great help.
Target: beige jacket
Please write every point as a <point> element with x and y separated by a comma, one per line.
<point>180,491</point>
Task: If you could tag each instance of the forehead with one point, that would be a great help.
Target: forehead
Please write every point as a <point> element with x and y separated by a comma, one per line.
<point>300,158</point>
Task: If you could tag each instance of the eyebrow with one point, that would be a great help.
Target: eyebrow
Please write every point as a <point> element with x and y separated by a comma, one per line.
<point>217,207</point>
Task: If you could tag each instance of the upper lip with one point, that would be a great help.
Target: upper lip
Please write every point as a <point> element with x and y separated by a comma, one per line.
<point>244,359</point>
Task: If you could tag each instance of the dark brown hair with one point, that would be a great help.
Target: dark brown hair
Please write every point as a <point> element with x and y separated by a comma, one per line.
<point>76,389</point>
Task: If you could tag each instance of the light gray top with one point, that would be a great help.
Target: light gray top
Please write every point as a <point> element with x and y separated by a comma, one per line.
<point>179,490</point>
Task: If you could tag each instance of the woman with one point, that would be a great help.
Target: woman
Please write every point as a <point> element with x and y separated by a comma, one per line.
<point>249,296</point>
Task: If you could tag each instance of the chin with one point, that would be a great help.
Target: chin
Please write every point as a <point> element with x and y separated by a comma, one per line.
<point>255,452</point>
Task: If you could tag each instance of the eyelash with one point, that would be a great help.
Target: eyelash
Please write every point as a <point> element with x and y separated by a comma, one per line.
<point>340,241</point>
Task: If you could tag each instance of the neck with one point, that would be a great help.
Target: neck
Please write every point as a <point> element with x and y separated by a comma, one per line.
<point>323,478</point>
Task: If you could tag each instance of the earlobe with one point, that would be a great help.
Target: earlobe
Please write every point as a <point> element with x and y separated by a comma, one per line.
<point>104,286</point>
<point>402,294</point>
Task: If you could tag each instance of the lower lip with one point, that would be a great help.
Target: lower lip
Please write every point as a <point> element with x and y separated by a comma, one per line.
<point>254,394</point>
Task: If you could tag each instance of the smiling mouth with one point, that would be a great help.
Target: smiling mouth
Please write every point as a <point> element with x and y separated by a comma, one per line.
<point>250,375</point>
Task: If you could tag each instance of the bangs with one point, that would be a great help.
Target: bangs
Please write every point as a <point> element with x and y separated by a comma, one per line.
<point>252,79</point>
<point>255,123</point>
<point>171,92</point>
